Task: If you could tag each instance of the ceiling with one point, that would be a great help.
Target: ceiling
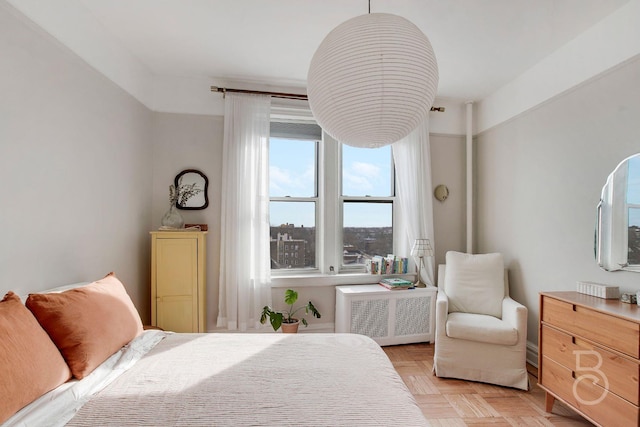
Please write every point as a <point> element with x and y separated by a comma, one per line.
<point>480,45</point>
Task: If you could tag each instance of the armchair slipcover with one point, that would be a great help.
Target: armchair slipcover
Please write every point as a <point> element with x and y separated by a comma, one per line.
<point>481,332</point>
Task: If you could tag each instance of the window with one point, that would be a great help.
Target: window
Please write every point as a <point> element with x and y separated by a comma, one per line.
<point>367,204</point>
<point>293,192</point>
<point>331,205</point>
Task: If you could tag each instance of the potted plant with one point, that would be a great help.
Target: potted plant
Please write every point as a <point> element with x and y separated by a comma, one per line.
<point>285,318</point>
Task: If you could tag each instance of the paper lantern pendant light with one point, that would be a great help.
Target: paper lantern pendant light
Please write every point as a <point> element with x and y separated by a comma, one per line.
<point>372,80</point>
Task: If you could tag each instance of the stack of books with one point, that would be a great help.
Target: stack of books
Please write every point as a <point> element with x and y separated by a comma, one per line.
<point>390,264</point>
<point>395,283</point>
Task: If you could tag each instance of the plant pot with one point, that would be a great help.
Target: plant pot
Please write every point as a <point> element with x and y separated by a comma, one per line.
<point>290,328</point>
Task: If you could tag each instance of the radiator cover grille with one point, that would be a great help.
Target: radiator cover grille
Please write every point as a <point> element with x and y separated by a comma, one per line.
<point>370,317</point>
<point>412,316</point>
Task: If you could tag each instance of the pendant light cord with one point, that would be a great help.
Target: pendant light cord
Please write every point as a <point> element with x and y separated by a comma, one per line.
<point>369,7</point>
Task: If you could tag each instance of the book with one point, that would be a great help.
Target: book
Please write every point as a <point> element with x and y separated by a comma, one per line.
<point>377,265</point>
<point>390,264</point>
<point>395,283</point>
<point>395,288</point>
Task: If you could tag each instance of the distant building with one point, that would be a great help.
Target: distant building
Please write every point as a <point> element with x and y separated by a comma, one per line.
<point>352,255</point>
<point>287,252</point>
<point>634,245</point>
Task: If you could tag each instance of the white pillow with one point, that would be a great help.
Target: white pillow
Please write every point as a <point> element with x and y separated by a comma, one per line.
<point>57,289</point>
<point>475,283</point>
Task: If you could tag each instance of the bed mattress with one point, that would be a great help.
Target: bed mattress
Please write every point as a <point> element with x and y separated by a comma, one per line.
<point>257,380</point>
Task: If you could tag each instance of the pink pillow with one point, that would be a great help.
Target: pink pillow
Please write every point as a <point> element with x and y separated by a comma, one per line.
<point>88,324</point>
<point>30,363</point>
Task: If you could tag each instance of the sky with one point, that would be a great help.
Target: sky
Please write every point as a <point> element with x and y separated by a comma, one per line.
<point>366,171</point>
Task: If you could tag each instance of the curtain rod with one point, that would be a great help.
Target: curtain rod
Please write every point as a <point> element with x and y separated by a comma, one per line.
<point>283,95</point>
<point>224,90</point>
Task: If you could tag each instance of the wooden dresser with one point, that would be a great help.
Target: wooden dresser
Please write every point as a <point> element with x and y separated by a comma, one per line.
<point>589,351</point>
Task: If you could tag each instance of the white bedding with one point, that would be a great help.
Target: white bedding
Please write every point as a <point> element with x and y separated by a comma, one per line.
<point>58,406</point>
<point>165,379</point>
<point>257,379</point>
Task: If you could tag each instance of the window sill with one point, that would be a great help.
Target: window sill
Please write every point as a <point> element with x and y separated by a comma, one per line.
<point>309,280</point>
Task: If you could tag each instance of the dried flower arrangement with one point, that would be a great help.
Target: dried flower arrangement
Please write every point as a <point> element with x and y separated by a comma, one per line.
<point>179,196</point>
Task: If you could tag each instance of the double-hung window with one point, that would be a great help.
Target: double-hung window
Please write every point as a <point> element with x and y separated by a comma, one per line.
<point>293,192</point>
<point>366,203</point>
<point>331,205</point>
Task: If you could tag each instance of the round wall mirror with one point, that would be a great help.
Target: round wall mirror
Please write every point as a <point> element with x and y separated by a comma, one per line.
<point>193,187</point>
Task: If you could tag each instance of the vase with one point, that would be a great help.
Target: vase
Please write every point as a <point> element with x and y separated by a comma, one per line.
<point>172,218</point>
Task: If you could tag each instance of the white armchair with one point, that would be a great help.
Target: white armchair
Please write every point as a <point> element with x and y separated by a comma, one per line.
<point>481,333</point>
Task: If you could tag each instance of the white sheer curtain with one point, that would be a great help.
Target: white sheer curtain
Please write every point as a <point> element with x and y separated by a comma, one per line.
<point>412,157</point>
<point>245,268</point>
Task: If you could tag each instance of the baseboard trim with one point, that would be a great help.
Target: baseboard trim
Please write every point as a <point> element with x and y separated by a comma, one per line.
<point>318,328</point>
<point>532,354</point>
<point>312,328</point>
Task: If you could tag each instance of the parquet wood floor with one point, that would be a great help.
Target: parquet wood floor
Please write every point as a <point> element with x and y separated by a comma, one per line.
<point>453,403</point>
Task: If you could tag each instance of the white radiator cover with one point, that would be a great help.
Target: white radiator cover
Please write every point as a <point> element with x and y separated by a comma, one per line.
<point>389,317</point>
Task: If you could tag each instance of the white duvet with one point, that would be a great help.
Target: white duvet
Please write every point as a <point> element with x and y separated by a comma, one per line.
<point>245,379</point>
<point>60,405</point>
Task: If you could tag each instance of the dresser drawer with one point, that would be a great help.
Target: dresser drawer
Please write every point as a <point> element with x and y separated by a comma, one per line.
<point>614,332</point>
<point>622,373</point>
<point>590,399</point>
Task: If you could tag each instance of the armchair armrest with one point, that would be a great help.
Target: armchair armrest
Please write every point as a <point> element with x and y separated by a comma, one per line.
<point>442,311</point>
<point>515,314</point>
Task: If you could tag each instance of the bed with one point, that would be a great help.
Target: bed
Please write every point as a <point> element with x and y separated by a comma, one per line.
<point>161,378</point>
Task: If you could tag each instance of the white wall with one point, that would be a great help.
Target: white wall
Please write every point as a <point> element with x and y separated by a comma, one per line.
<point>612,41</point>
<point>188,141</point>
<point>539,178</point>
<point>448,167</point>
<point>75,167</point>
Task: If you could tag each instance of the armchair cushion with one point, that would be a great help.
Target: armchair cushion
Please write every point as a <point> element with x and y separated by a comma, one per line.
<point>480,328</point>
<point>475,283</point>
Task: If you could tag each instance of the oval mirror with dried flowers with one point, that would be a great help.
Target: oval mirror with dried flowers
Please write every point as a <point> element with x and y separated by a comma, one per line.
<point>191,189</point>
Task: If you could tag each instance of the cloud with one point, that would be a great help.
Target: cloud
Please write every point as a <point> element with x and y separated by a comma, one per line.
<point>309,174</point>
<point>358,183</point>
<point>279,180</point>
<point>360,177</point>
<point>285,182</point>
<point>365,169</point>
